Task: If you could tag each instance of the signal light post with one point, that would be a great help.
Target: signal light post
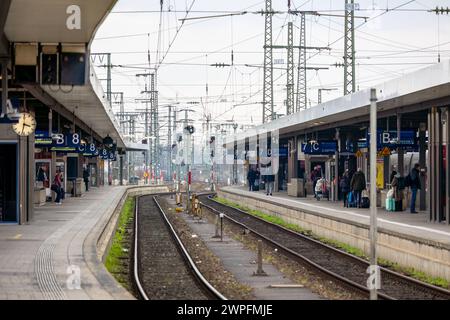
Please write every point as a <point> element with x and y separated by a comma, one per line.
<point>189,130</point>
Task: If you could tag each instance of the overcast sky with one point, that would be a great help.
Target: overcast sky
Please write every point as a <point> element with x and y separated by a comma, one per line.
<point>389,45</point>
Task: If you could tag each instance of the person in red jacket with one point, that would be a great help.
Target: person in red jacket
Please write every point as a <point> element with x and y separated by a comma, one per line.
<point>56,187</point>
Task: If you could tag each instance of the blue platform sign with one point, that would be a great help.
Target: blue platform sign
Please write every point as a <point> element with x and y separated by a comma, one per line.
<point>88,150</point>
<point>389,139</point>
<point>106,154</point>
<point>65,143</point>
<point>319,147</point>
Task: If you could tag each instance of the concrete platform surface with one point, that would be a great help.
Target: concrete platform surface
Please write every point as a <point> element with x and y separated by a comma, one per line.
<point>35,259</point>
<point>405,223</point>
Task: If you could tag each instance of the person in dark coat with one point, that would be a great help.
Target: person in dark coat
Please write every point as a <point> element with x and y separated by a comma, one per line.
<point>270,180</point>
<point>414,184</point>
<point>251,177</point>
<point>344,184</point>
<point>357,185</point>
<point>391,177</point>
<point>257,178</point>
<point>86,177</point>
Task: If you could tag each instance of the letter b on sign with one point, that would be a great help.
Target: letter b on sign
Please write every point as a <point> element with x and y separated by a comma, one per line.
<point>386,137</point>
<point>73,22</point>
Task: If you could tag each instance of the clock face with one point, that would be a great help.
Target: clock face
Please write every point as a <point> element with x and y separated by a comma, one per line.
<point>26,125</point>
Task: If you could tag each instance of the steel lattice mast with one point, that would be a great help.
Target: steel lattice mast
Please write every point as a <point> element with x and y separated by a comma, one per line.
<point>268,113</point>
<point>290,71</point>
<point>154,123</point>
<point>301,68</point>
<point>349,48</point>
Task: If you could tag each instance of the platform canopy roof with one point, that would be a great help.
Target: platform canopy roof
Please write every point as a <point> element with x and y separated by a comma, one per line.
<point>45,21</point>
<point>416,91</point>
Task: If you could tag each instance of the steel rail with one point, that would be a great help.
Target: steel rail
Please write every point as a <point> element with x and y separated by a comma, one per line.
<point>434,289</point>
<point>200,279</point>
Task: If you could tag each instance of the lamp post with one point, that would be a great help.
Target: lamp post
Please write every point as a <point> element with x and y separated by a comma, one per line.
<point>374,275</point>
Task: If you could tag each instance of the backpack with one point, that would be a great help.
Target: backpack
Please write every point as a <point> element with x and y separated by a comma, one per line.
<point>365,202</point>
<point>401,183</point>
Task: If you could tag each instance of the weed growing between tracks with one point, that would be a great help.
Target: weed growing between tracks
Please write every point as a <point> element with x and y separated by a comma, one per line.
<point>408,271</point>
<point>118,259</point>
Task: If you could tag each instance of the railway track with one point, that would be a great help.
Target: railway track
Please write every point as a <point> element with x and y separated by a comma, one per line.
<point>163,269</point>
<point>341,266</point>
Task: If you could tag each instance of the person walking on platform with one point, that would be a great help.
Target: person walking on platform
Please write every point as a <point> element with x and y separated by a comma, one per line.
<point>251,176</point>
<point>357,185</point>
<point>413,181</point>
<point>344,184</point>
<point>86,177</point>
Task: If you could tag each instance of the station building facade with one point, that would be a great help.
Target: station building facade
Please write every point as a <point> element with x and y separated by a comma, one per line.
<point>413,127</point>
<point>55,116</point>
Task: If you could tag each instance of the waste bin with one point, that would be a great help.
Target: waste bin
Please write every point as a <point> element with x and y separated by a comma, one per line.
<point>296,188</point>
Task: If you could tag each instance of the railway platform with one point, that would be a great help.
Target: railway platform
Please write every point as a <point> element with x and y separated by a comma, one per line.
<point>404,238</point>
<point>36,258</point>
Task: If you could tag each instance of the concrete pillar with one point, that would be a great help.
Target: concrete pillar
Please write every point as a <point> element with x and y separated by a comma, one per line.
<point>386,163</point>
<point>400,151</point>
<point>435,174</point>
<point>336,167</point>
<point>430,169</point>
<point>447,165</point>
<point>26,178</point>
<point>292,159</point>
<point>4,65</point>
<point>121,170</point>
<point>422,163</point>
<point>438,176</point>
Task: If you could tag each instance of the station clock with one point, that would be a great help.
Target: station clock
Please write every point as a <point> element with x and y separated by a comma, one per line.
<point>26,124</point>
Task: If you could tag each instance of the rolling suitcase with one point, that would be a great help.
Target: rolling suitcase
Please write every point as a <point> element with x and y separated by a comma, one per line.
<point>390,204</point>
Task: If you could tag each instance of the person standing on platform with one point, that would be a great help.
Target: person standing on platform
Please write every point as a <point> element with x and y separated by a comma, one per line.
<point>345,187</point>
<point>316,174</point>
<point>251,176</point>
<point>391,177</point>
<point>86,177</point>
<point>398,192</point>
<point>56,187</point>
<point>61,189</point>
<point>357,185</point>
<point>413,181</point>
<point>270,180</point>
<point>257,179</point>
